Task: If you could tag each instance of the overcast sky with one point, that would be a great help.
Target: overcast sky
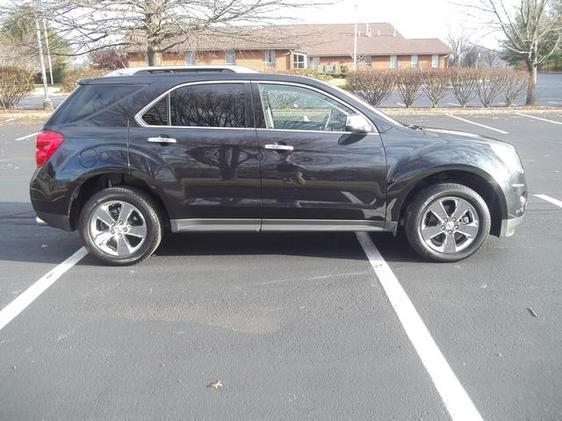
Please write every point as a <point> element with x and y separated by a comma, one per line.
<point>413,18</point>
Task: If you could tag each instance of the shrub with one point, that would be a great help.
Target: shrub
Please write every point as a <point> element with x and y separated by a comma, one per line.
<point>374,86</point>
<point>15,83</point>
<point>514,84</point>
<point>435,84</point>
<point>408,85</point>
<point>72,76</point>
<point>490,85</point>
<point>464,83</point>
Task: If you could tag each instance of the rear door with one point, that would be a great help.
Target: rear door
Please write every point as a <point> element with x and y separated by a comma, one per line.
<point>198,144</point>
<point>315,173</point>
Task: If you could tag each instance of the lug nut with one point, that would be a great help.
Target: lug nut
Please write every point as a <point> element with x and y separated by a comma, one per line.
<point>113,232</point>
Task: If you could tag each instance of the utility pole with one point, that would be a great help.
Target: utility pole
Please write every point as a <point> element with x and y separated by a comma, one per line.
<point>355,36</point>
<point>47,103</point>
<point>48,50</point>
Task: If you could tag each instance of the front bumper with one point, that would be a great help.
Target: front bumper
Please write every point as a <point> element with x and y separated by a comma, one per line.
<point>509,225</point>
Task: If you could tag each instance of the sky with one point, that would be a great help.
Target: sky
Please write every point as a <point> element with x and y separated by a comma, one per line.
<point>412,18</point>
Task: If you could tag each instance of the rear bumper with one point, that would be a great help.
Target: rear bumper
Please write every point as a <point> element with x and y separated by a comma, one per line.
<point>509,225</point>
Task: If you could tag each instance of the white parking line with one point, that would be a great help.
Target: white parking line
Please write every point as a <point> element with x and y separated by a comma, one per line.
<point>539,118</point>
<point>549,199</point>
<point>478,124</point>
<point>455,398</point>
<point>22,301</point>
<point>7,121</point>
<point>27,136</point>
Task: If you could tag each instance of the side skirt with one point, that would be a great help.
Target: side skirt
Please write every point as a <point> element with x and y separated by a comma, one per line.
<point>277,225</point>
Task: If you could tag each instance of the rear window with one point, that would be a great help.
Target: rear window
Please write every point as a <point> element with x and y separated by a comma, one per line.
<point>89,100</point>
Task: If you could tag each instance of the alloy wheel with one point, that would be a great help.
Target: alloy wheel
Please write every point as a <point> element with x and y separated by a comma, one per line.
<point>117,228</point>
<point>449,225</point>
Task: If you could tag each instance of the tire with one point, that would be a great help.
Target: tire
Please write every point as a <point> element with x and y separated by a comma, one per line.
<point>120,225</point>
<point>447,222</point>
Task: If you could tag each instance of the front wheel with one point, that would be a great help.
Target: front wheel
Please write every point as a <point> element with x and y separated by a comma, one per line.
<point>447,222</point>
<point>120,225</point>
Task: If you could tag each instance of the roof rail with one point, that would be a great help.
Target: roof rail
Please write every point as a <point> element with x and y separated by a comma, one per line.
<point>132,71</point>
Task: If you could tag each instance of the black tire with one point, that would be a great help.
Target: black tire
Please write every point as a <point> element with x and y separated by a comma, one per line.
<point>418,214</point>
<point>149,214</point>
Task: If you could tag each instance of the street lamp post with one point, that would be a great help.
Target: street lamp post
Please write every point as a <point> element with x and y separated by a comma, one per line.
<point>355,36</point>
<point>47,103</point>
<point>48,51</point>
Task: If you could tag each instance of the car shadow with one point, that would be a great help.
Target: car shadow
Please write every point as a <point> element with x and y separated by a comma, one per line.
<point>22,240</point>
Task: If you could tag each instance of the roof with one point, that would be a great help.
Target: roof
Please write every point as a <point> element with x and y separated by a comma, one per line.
<point>130,71</point>
<point>313,39</point>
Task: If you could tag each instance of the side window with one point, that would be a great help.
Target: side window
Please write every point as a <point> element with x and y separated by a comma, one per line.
<point>297,108</point>
<point>204,105</point>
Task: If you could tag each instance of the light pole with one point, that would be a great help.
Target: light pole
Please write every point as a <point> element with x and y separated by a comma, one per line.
<point>48,50</point>
<point>47,103</point>
<point>355,36</point>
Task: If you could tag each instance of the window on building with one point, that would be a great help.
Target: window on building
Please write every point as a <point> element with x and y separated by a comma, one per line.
<point>435,61</point>
<point>297,108</point>
<point>368,61</point>
<point>393,62</point>
<point>299,61</point>
<point>204,105</point>
<point>146,59</point>
<point>230,57</point>
<point>414,61</point>
<point>270,58</point>
<point>190,58</point>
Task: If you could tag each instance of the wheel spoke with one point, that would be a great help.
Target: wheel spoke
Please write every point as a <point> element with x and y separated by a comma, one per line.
<point>123,246</point>
<point>438,210</point>
<point>469,230</point>
<point>450,245</point>
<point>461,208</point>
<point>137,231</point>
<point>430,232</point>
<point>102,238</point>
<point>125,211</point>
<point>102,214</point>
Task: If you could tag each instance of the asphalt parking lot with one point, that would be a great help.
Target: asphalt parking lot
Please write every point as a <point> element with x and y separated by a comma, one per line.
<point>295,326</point>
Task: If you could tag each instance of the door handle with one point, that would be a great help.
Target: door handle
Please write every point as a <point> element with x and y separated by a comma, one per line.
<point>161,139</point>
<point>277,147</point>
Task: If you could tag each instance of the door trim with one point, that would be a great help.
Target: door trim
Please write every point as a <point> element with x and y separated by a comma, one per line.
<point>275,225</point>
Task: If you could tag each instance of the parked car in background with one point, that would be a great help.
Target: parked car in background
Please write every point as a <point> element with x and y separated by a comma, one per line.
<point>221,149</point>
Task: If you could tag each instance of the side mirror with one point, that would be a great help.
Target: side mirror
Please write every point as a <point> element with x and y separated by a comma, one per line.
<point>356,123</point>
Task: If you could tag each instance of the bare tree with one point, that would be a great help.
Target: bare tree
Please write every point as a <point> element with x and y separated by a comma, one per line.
<point>490,85</point>
<point>464,83</point>
<point>408,85</point>
<point>530,29</point>
<point>158,26</point>
<point>458,42</point>
<point>374,86</point>
<point>514,84</point>
<point>435,85</point>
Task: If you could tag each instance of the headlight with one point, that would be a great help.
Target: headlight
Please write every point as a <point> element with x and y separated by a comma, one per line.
<point>508,155</point>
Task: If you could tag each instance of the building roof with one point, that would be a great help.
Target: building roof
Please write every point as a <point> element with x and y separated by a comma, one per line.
<point>313,39</point>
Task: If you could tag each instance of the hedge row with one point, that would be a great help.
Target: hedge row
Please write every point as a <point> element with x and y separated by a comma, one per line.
<point>464,83</point>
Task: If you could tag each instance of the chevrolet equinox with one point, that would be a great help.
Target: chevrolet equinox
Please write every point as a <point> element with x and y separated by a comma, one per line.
<point>129,155</point>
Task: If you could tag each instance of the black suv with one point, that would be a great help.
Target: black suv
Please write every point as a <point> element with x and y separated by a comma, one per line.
<point>125,157</point>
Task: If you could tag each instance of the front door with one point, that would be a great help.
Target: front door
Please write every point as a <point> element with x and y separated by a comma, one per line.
<point>315,173</point>
<point>198,144</point>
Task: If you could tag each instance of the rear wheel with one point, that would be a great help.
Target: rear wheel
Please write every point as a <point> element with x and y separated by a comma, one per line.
<point>120,225</point>
<point>447,222</point>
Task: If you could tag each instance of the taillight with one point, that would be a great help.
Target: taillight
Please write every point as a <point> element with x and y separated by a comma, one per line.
<point>46,144</point>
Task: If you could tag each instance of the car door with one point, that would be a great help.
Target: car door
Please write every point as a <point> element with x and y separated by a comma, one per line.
<point>316,174</point>
<point>197,143</point>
